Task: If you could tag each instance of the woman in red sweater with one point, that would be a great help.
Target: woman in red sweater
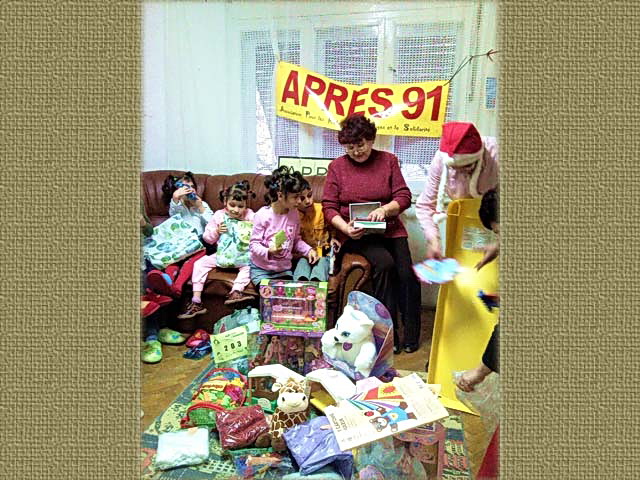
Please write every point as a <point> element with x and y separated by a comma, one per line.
<point>368,175</point>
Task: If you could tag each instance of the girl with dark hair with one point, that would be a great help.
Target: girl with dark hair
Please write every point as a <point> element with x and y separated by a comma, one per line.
<point>225,231</point>
<point>363,175</point>
<point>276,229</point>
<point>179,193</point>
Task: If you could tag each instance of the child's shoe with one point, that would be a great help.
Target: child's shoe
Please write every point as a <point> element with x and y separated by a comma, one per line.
<point>237,297</point>
<point>195,353</point>
<point>160,282</point>
<point>170,337</point>
<point>161,300</point>
<point>199,337</point>
<point>147,308</point>
<point>172,271</point>
<point>152,352</point>
<point>193,309</point>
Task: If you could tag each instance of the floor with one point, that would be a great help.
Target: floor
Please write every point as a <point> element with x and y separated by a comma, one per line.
<point>164,381</point>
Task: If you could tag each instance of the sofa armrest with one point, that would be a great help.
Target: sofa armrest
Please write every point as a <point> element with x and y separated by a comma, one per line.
<point>353,274</point>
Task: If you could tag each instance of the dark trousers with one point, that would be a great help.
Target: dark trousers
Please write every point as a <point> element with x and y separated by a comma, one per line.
<point>491,355</point>
<point>394,282</point>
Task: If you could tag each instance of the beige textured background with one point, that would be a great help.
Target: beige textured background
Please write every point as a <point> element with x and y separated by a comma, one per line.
<point>70,150</point>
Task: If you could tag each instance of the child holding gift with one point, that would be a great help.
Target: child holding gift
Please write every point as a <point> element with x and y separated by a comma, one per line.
<point>276,228</point>
<point>314,232</point>
<point>218,232</point>
<point>179,192</point>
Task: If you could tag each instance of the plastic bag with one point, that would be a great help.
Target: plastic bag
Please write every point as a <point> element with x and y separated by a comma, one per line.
<point>388,459</point>
<point>484,399</point>
<point>313,448</point>
<point>250,319</point>
<point>182,448</point>
<point>241,427</point>
<point>261,463</point>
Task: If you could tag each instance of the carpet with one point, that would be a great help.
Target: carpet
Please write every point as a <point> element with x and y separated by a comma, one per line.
<point>222,467</point>
<point>456,460</point>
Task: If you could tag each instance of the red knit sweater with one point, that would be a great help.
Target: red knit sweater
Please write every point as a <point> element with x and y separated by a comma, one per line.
<point>378,179</point>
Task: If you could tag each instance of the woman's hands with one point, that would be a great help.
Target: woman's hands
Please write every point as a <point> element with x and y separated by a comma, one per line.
<point>353,232</point>
<point>378,215</point>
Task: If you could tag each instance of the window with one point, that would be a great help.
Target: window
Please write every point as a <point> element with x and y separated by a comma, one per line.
<point>425,44</point>
<point>264,134</point>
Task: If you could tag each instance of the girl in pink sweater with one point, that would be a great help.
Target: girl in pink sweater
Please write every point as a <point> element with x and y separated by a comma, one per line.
<point>223,229</point>
<point>276,228</point>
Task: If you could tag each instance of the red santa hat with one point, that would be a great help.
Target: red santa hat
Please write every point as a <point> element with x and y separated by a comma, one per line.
<point>460,145</point>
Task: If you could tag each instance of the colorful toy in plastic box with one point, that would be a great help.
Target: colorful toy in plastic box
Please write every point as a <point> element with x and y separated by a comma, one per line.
<point>293,308</point>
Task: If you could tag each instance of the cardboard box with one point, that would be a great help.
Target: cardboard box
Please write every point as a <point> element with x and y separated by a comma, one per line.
<point>358,212</point>
<point>293,308</point>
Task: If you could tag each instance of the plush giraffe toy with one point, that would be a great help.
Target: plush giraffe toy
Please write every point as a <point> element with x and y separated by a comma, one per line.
<point>292,410</point>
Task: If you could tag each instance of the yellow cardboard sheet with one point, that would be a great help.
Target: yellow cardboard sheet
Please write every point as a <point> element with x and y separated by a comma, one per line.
<point>462,324</point>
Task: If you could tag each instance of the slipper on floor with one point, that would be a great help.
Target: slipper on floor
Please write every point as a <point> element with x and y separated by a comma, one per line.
<point>152,352</point>
<point>198,338</point>
<point>198,352</point>
<point>170,337</point>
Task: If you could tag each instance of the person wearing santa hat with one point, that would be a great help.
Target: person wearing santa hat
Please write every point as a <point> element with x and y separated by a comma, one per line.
<point>465,166</point>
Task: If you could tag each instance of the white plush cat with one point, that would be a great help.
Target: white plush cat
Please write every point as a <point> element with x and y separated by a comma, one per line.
<point>351,340</point>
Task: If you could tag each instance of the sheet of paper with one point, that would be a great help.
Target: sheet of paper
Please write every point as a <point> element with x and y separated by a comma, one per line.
<point>385,410</point>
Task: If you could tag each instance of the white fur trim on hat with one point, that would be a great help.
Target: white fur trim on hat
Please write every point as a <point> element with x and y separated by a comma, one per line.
<point>458,160</point>
<point>461,159</point>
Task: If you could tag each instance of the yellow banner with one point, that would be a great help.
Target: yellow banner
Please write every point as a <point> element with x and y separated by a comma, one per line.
<point>408,109</point>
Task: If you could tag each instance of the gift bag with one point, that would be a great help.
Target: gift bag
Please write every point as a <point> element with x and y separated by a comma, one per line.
<point>313,447</point>
<point>222,389</point>
<point>233,245</point>
<point>241,427</point>
<point>173,240</point>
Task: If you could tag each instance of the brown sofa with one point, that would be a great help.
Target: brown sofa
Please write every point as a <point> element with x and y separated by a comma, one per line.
<point>352,271</point>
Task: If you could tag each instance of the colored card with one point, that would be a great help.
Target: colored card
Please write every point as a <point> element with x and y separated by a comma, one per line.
<point>230,344</point>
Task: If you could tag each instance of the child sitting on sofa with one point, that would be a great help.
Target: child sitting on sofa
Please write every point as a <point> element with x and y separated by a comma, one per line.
<point>232,239</point>
<point>276,228</point>
<point>179,193</point>
<point>314,232</point>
